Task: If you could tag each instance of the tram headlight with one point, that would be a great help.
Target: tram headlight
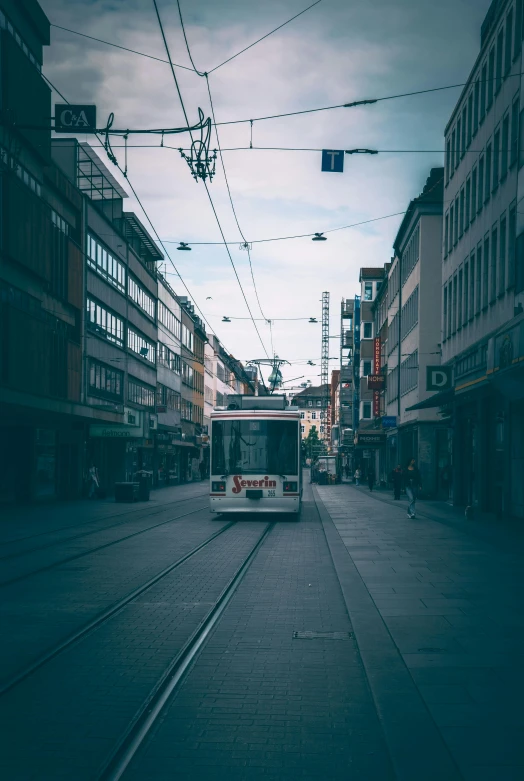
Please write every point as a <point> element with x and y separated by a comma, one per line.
<point>218,487</point>
<point>290,488</point>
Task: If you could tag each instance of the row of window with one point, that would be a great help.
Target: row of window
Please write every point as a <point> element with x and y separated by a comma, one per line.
<point>103,262</point>
<point>187,338</point>
<point>168,359</point>
<point>409,314</point>
<point>303,429</point>
<point>105,323</point>
<point>22,173</point>
<point>313,415</point>
<point>141,346</point>
<point>168,320</point>
<point>186,410</point>
<point>409,373</point>
<point>141,394</point>
<point>167,397</point>
<point>5,24</point>
<point>495,68</point>
<point>105,381</point>
<point>492,168</point>
<point>187,374</point>
<point>411,254</point>
<point>140,297</point>
<point>483,277</point>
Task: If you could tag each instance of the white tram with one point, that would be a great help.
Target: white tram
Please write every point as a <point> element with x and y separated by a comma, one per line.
<point>255,456</point>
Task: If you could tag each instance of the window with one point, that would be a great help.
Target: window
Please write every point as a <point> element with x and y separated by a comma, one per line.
<point>521,139</point>
<point>105,264</point>
<point>409,314</point>
<point>470,119</point>
<point>465,305</point>
<point>310,403</point>
<point>187,338</point>
<point>502,257</point>
<point>5,24</point>
<point>168,320</point>
<point>187,374</point>
<point>493,267</point>
<point>478,286</point>
<point>504,148</point>
<point>140,394</point>
<point>302,415</point>
<point>464,130</point>
<point>410,255</point>
<point>409,373</point>
<point>454,309</point>
<point>186,408</point>
<point>483,91</point>
<point>167,397</point>
<point>451,224</point>
<point>302,429</point>
<point>509,42</point>
<point>446,234</point>
<point>167,358</point>
<point>485,274</point>
<point>496,159</point>
<point>481,184</point>
<point>141,346</point>
<point>367,331</point>
<point>445,313</point>
<point>476,107</point>
<point>104,323</point>
<point>461,213</point>
<point>473,212</point>
<point>448,159</point>
<point>392,385</point>
<point>456,226</point>
<point>105,381</point>
<point>366,368</point>
<point>321,429</point>
<point>459,300</point>
<point>313,416</point>
<point>500,59</point>
<point>459,136</point>
<point>450,307</point>
<point>519,263</point>
<point>453,149</point>
<point>512,227</point>
<point>491,77</point>
<point>514,133</point>
<point>471,293</point>
<point>368,291</point>
<point>467,209</point>
<point>487,188</point>
<point>517,40</point>
<point>319,403</point>
<point>366,410</point>
<point>138,295</point>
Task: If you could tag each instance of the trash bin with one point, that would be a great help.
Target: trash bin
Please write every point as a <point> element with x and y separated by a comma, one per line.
<point>143,479</point>
<point>126,492</point>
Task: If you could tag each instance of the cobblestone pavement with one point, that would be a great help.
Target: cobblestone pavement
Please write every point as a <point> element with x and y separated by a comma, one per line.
<point>406,665</point>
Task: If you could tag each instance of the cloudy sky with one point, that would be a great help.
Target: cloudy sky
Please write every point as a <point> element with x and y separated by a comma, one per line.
<point>337,52</point>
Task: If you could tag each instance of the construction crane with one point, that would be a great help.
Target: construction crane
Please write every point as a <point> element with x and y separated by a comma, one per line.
<point>324,368</point>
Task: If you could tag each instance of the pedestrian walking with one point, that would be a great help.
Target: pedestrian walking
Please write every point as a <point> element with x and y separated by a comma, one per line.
<point>371,478</point>
<point>93,481</point>
<point>396,479</point>
<point>413,485</point>
<point>358,475</point>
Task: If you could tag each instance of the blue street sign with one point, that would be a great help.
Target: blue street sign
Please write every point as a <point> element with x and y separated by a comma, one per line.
<point>389,421</point>
<point>333,160</point>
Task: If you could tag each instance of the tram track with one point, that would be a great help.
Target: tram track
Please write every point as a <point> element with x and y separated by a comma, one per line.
<point>146,510</point>
<point>108,613</point>
<point>146,716</point>
<point>77,556</point>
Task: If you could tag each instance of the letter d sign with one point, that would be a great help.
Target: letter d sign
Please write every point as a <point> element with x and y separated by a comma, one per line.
<point>438,378</point>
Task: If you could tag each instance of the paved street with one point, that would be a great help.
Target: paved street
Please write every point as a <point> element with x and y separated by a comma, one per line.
<point>355,643</point>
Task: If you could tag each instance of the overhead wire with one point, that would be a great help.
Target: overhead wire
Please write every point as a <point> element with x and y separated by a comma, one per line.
<point>205,183</point>
<point>265,36</point>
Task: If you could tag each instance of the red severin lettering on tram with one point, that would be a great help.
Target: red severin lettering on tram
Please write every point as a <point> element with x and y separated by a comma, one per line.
<point>239,483</point>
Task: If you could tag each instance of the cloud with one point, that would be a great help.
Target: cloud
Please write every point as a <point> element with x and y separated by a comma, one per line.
<point>335,53</point>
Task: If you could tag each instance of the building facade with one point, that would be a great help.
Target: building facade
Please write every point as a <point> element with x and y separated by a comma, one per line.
<point>483,272</point>
<point>310,401</point>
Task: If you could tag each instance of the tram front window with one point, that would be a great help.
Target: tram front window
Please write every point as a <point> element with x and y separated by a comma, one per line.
<point>254,447</point>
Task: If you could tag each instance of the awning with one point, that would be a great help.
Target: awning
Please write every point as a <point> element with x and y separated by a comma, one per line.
<point>437,400</point>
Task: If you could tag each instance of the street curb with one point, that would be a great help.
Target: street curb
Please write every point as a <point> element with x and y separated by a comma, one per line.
<point>416,747</point>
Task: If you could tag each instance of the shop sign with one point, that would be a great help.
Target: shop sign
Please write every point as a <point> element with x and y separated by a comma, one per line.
<point>75,118</point>
<point>376,404</point>
<point>389,421</point>
<point>438,378</point>
<point>112,432</point>
<point>369,438</point>
<point>376,382</point>
<point>376,355</point>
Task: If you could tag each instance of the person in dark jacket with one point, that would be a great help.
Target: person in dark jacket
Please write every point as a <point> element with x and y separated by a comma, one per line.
<point>396,479</point>
<point>413,485</point>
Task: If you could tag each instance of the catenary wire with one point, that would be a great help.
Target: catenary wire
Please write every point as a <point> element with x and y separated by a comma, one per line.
<point>185,39</point>
<point>205,183</point>
<point>265,36</point>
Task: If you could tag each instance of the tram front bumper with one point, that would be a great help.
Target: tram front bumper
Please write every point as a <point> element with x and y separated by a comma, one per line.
<point>279,504</point>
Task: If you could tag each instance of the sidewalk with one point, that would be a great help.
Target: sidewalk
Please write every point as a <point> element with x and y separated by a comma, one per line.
<point>436,608</point>
<point>25,520</point>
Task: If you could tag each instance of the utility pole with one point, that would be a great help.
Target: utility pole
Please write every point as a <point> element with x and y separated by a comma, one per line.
<point>324,368</point>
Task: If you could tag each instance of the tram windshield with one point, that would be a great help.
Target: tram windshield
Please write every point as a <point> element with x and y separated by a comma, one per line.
<point>254,447</point>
